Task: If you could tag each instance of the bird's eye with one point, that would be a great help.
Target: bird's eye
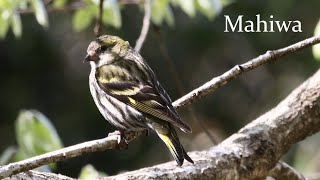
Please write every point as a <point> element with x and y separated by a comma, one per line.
<point>103,48</point>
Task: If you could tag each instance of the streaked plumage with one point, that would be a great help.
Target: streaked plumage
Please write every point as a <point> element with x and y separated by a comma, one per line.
<point>128,94</point>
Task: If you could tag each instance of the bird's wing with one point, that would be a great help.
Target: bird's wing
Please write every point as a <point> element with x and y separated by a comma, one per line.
<point>146,98</point>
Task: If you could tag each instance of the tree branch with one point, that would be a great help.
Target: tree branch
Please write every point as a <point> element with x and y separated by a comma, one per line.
<point>97,27</point>
<point>253,151</point>
<point>145,25</point>
<point>283,171</point>
<point>110,142</point>
<point>236,71</point>
<point>36,175</point>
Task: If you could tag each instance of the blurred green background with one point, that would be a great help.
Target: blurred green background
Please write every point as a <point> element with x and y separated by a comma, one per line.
<point>43,70</point>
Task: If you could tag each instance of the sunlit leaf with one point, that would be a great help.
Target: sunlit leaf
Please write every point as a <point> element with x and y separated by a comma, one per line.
<point>19,156</point>
<point>16,24</point>
<point>23,4</point>
<point>7,155</point>
<point>169,16</point>
<point>226,2</point>
<point>40,12</point>
<point>188,6</point>
<point>316,48</point>
<point>88,172</point>
<point>111,13</point>
<point>82,19</point>
<point>4,24</point>
<point>59,3</point>
<point>209,8</point>
<point>35,134</point>
<point>158,10</point>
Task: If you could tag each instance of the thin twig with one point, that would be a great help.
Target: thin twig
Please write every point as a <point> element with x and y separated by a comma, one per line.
<point>97,27</point>
<point>111,142</point>
<point>177,80</point>
<point>236,71</point>
<point>145,26</point>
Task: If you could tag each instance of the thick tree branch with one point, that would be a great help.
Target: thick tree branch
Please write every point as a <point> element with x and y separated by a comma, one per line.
<point>252,152</point>
<point>255,149</point>
<point>35,175</point>
<point>145,26</point>
<point>283,171</point>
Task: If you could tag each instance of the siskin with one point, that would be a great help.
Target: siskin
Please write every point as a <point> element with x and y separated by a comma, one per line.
<point>128,94</point>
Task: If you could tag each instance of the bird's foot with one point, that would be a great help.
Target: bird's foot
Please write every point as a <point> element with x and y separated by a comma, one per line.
<point>122,143</point>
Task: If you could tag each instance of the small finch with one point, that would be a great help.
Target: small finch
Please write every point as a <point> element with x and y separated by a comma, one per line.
<point>128,94</point>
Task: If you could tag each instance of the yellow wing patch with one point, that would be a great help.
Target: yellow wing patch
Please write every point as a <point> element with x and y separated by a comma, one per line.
<point>105,80</point>
<point>127,92</point>
<point>132,101</point>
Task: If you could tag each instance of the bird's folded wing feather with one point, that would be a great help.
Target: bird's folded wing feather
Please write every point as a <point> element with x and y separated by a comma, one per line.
<point>145,98</point>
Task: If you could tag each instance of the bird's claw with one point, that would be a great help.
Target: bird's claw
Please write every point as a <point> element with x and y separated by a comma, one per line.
<point>122,143</point>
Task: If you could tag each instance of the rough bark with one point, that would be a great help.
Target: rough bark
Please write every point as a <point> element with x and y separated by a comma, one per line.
<point>255,149</point>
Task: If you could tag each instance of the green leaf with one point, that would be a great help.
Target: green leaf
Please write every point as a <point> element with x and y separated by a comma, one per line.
<point>111,13</point>
<point>316,48</point>
<point>158,10</point>
<point>22,4</point>
<point>4,23</point>
<point>226,2</point>
<point>59,3</point>
<point>16,24</point>
<point>169,16</point>
<point>88,172</point>
<point>9,4</point>
<point>19,156</point>
<point>209,8</point>
<point>8,155</point>
<point>188,6</point>
<point>82,18</point>
<point>35,134</point>
<point>40,12</point>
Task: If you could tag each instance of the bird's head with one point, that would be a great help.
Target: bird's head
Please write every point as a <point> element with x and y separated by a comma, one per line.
<point>106,49</point>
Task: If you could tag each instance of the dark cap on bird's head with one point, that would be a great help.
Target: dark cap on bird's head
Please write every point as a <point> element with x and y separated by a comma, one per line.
<point>103,43</point>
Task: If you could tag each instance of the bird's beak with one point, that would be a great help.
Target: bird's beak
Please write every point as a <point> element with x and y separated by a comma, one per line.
<point>87,58</point>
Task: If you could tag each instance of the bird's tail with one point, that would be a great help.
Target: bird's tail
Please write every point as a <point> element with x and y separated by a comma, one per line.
<point>172,142</point>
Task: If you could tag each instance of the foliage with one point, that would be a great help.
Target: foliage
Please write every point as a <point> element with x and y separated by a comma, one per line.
<point>10,15</point>
<point>35,135</point>
<point>161,11</point>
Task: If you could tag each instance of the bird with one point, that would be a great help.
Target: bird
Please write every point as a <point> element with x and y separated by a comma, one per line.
<point>129,96</point>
